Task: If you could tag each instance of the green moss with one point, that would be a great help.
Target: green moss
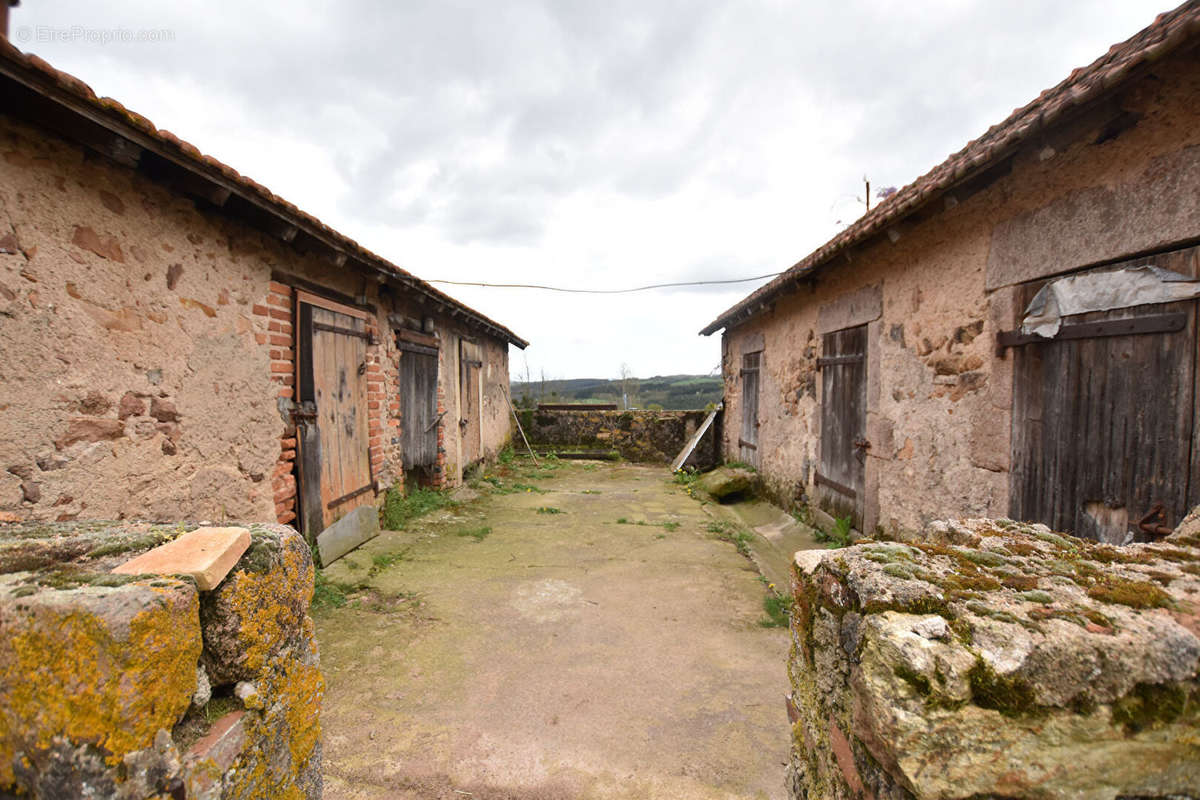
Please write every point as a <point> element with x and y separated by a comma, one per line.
<point>1096,618</point>
<point>1009,695</point>
<point>261,555</point>
<point>131,544</point>
<point>1021,548</point>
<point>1175,554</point>
<point>1020,582</point>
<point>982,558</point>
<point>74,578</point>
<point>1154,705</point>
<point>898,571</point>
<point>921,605</point>
<point>914,679</point>
<point>1053,538</point>
<point>1135,594</point>
<point>971,583</point>
<point>1038,596</point>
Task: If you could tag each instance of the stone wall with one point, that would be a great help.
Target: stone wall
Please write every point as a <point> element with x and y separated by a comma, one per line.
<point>127,686</point>
<point>148,355</point>
<point>645,436</point>
<point>996,659</point>
<point>933,294</point>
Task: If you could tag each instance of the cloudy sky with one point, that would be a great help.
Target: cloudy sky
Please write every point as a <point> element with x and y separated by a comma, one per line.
<point>581,144</point>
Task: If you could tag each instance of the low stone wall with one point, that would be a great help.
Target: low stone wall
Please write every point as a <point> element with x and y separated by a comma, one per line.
<point>140,686</point>
<point>995,659</point>
<point>644,436</point>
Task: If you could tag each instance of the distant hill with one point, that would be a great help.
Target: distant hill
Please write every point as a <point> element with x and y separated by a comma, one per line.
<point>673,392</point>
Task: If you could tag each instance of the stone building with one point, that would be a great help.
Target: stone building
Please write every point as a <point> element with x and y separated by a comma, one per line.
<point>909,369</point>
<point>178,342</point>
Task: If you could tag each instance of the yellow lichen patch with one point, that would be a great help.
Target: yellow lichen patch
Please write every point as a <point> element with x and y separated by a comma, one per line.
<point>87,669</point>
<point>301,693</point>
<point>266,606</point>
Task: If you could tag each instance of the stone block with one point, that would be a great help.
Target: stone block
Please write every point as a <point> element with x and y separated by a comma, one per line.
<point>996,659</point>
<point>205,554</point>
<point>259,613</point>
<point>108,665</point>
<point>726,481</point>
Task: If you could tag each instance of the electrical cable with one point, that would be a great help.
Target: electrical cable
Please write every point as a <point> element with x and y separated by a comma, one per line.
<point>600,291</point>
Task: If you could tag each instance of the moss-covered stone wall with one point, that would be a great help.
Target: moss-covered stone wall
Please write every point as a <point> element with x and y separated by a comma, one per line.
<point>996,659</point>
<point>140,686</point>
<point>643,436</point>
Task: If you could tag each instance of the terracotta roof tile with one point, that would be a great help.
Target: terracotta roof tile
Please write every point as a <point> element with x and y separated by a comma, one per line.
<point>1168,32</point>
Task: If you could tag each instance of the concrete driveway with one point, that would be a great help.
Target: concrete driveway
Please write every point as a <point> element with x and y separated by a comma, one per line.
<point>556,655</point>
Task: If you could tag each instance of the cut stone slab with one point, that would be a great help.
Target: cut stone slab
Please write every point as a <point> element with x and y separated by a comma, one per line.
<point>206,554</point>
<point>360,525</point>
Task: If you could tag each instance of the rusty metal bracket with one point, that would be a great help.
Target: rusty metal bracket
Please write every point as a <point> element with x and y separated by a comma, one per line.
<point>832,361</point>
<point>837,486</point>
<point>305,412</point>
<point>1149,522</point>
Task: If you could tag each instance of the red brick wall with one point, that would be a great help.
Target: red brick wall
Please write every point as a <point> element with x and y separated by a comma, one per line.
<point>276,312</point>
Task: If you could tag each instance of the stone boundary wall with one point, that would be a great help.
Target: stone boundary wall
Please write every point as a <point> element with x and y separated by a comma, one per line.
<point>141,686</point>
<point>643,436</point>
<point>996,659</point>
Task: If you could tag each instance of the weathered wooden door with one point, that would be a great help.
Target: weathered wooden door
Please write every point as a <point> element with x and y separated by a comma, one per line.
<point>1103,422</point>
<point>418,404</point>
<point>748,441</point>
<point>332,430</point>
<point>843,423</point>
<point>470,364</point>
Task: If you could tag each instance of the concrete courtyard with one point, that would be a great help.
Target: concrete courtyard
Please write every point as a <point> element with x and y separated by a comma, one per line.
<point>527,644</point>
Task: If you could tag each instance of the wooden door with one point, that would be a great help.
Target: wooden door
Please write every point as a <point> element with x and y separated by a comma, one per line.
<point>748,441</point>
<point>470,365</point>
<point>418,405</point>
<point>1103,424</point>
<point>843,423</point>
<point>332,429</point>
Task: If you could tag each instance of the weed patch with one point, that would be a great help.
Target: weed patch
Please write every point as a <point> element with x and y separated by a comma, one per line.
<point>549,510</point>
<point>326,593</point>
<point>400,509</point>
<point>840,536</point>
<point>728,532</point>
<point>478,534</point>
<point>778,611</point>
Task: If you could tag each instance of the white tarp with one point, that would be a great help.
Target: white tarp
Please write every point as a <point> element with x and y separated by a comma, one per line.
<point>1104,291</point>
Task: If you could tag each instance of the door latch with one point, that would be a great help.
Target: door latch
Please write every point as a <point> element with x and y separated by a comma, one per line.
<point>305,412</point>
<point>1150,523</point>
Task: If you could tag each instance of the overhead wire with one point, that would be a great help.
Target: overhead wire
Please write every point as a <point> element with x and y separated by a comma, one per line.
<point>600,291</point>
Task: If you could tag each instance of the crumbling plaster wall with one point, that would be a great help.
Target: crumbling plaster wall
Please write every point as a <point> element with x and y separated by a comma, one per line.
<point>133,381</point>
<point>147,352</point>
<point>939,400</point>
